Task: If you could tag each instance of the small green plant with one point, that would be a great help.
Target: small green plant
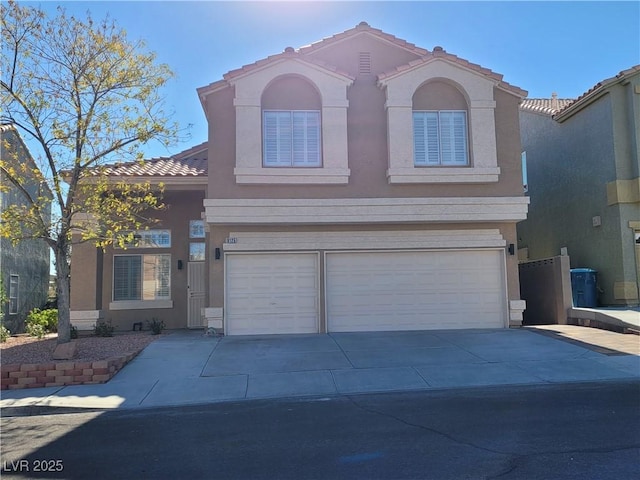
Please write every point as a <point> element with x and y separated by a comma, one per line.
<point>103,329</point>
<point>35,330</point>
<point>48,319</point>
<point>156,326</point>
<point>4,333</point>
<point>74,332</point>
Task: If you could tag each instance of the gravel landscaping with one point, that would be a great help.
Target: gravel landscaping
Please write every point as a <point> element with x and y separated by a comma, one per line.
<point>25,349</point>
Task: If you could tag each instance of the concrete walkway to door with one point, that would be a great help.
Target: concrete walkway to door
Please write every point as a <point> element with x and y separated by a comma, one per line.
<point>187,367</point>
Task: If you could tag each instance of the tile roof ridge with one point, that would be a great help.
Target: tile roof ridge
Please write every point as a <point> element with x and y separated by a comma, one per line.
<point>360,28</point>
<point>600,86</point>
<point>288,52</point>
<point>439,52</point>
<point>547,106</point>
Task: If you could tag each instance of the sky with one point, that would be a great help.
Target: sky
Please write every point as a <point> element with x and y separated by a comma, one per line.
<point>541,47</point>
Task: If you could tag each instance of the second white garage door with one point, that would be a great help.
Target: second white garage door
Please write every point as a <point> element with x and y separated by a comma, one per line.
<point>376,291</point>
<point>271,293</point>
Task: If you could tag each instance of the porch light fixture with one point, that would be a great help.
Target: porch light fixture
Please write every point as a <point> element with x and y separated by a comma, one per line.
<point>179,264</point>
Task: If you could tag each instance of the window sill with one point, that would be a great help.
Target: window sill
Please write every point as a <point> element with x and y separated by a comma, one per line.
<point>140,304</point>
<point>443,175</point>
<point>292,175</point>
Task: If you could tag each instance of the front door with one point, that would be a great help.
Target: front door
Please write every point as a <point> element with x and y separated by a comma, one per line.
<point>195,294</point>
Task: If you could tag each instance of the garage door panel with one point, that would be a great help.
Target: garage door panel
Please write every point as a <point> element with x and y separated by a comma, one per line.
<point>271,293</point>
<point>415,290</point>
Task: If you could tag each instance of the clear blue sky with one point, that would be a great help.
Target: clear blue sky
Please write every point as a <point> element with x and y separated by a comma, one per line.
<point>542,47</point>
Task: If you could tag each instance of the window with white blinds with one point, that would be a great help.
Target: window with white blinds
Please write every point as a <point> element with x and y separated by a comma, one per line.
<point>440,138</point>
<point>141,277</point>
<point>291,138</point>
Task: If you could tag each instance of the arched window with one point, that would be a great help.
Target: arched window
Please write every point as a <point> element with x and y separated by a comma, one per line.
<point>291,124</point>
<point>440,132</point>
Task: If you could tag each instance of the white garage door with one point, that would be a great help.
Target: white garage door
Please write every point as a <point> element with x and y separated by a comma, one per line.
<point>271,293</point>
<point>371,291</point>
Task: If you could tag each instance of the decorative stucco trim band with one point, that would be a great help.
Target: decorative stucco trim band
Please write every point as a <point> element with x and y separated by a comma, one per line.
<point>140,304</point>
<point>366,240</point>
<point>213,317</point>
<point>85,319</point>
<point>443,175</point>
<point>364,210</point>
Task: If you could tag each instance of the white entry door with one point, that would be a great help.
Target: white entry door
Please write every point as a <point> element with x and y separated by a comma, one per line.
<point>195,294</point>
<point>415,290</point>
<point>271,293</point>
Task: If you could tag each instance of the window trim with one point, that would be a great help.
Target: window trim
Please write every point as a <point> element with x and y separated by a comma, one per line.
<point>292,143</point>
<point>141,299</point>
<point>13,297</point>
<point>440,137</point>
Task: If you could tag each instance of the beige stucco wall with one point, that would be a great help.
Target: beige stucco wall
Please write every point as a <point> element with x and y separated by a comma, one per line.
<point>220,233</point>
<point>89,264</point>
<point>496,146</point>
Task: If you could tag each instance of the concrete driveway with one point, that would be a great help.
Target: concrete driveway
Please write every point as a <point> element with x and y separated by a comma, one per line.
<point>187,367</point>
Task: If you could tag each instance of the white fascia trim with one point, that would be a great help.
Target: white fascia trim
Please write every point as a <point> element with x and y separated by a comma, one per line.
<point>364,240</point>
<point>140,304</point>
<point>443,175</point>
<point>365,210</point>
<point>289,176</point>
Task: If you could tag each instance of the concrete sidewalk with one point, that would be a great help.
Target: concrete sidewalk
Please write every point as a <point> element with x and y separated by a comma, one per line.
<point>187,367</point>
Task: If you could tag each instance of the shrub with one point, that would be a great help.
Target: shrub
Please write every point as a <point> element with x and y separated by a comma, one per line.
<point>103,329</point>
<point>156,326</point>
<point>48,319</point>
<point>4,333</point>
<point>74,332</point>
<point>35,330</point>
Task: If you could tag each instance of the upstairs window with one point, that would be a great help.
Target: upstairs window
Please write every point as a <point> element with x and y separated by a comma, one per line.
<point>440,138</point>
<point>291,138</point>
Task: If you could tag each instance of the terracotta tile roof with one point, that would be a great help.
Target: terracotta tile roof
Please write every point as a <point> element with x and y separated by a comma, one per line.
<point>183,164</point>
<point>548,106</point>
<point>360,28</point>
<point>439,52</point>
<point>289,52</point>
<point>596,90</point>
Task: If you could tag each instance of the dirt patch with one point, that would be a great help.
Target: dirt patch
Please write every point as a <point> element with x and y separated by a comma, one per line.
<point>24,349</point>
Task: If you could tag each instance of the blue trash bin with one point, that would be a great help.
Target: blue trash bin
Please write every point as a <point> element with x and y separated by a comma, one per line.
<point>583,287</point>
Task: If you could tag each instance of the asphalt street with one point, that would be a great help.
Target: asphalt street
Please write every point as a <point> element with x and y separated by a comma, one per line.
<point>588,430</point>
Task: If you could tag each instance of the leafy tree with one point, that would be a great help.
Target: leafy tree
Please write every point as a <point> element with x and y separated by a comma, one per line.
<point>84,95</point>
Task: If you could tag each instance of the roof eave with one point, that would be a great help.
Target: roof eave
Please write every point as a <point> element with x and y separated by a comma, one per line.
<point>596,92</point>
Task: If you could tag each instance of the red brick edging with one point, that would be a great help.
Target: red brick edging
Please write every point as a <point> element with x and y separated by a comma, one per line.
<point>59,374</point>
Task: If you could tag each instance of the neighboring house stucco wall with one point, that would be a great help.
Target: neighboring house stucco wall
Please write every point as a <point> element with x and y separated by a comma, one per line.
<point>29,259</point>
<point>573,163</point>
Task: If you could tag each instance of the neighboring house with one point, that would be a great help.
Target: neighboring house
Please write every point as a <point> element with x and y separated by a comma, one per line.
<point>24,267</point>
<point>358,183</point>
<point>582,167</point>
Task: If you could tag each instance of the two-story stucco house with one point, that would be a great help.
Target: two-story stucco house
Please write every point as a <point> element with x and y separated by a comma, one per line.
<point>357,183</point>
<point>583,166</point>
<point>24,267</point>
